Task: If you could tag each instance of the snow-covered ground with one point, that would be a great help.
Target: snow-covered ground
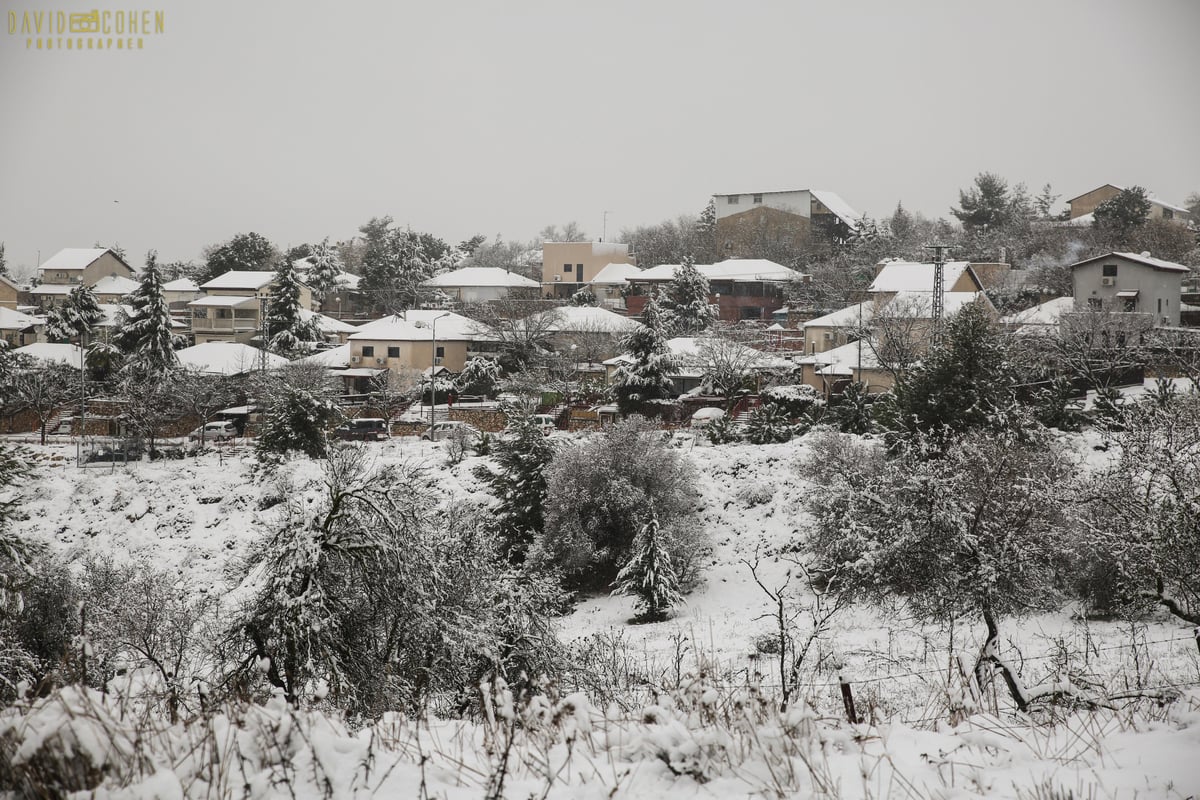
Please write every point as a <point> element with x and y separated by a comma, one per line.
<point>199,516</point>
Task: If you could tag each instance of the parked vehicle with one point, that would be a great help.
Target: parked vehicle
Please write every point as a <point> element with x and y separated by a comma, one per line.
<point>445,430</point>
<point>364,429</point>
<point>220,431</point>
<point>545,422</point>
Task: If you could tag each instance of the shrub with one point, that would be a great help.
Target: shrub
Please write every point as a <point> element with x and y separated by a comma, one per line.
<point>768,424</point>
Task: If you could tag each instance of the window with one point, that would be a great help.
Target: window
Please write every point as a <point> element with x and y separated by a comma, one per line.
<point>758,198</point>
<point>1130,303</point>
<point>750,312</point>
<point>731,200</point>
<point>1160,305</point>
<point>1095,304</point>
<point>368,351</point>
<point>566,267</point>
<point>393,352</point>
<point>1110,271</point>
<point>439,352</point>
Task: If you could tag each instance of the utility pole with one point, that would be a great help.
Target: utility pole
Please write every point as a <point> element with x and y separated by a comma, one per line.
<point>604,228</point>
<point>938,302</point>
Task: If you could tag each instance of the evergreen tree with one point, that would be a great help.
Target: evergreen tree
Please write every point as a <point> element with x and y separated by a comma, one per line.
<point>685,302</point>
<point>246,251</point>
<point>646,378</point>
<point>480,375</point>
<point>285,326</point>
<point>16,549</point>
<point>3,261</point>
<point>986,204</point>
<point>144,333</point>
<point>650,576</point>
<point>964,382</point>
<point>706,234</point>
<point>326,269</point>
<point>297,419</point>
<point>1119,217</point>
<point>519,483</point>
<point>75,316</point>
<point>396,262</point>
<point>584,297</point>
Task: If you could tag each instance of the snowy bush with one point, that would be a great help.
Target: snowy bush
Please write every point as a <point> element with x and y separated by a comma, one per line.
<point>300,411</point>
<point>722,430</point>
<point>599,490</point>
<point>795,399</point>
<point>755,493</point>
<point>768,424</point>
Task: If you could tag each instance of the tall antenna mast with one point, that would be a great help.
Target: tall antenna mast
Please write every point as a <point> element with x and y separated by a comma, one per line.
<point>937,306</point>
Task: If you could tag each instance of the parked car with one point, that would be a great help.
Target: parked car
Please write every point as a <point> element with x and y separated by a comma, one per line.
<point>545,422</point>
<point>221,431</point>
<point>444,430</point>
<point>364,429</point>
<point>706,416</point>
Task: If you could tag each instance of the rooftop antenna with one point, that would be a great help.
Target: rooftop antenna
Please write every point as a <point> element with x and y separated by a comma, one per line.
<point>937,305</point>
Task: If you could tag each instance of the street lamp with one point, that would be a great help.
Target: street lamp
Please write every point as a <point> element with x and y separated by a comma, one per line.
<point>432,371</point>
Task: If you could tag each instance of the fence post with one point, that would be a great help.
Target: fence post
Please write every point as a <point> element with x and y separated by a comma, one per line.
<point>848,700</point>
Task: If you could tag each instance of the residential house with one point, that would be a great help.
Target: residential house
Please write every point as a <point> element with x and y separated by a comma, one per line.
<point>232,306</point>
<point>113,288</point>
<point>1130,283</point>
<point>333,330</point>
<point>181,291</point>
<point>18,329</point>
<point>569,266</point>
<point>593,333</point>
<point>839,327</point>
<point>404,342</point>
<point>483,284</point>
<point>908,276</point>
<point>611,284</point>
<point>1042,319</point>
<point>694,359</point>
<point>229,359</point>
<point>75,265</point>
<point>51,353</point>
<point>740,288</point>
<point>1081,207</point>
<point>11,295</point>
<point>753,224</point>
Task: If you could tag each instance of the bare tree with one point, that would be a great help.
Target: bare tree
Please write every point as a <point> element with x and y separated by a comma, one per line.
<point>727,364</point>
<point>43,389</point>
<point>394,391</point>
<point>898,333</point>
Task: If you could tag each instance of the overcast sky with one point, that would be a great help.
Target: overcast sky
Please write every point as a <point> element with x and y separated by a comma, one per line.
<point>301,119</point>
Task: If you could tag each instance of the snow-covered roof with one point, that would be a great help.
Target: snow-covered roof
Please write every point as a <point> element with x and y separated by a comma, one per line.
<point>843,359</point>
<point>227,358</point>
<point>73,258</point>
<point>114,284</point>
<point>731,269</point>
<point>481,276</point>
<point>53,288</point>
<point>52,353</point>
<point>333,358</point>
<point>616,274</point>
<point>328,324</point>
<point>850,316</point>
<point>902,276</point>
<point>181,285</point>
<point>11,320</point>
<point>417,326</point>
<point>347,280</point>
<point>225,301</point>
<point>840,208</point>
<point>1047,313</point>
<point>1152,199</point>
<point>919,305</point>
<point>692,351</point>
<point>1148,260</point>
<point>586,319</point>
<point>1136,392</point>
<point>240,279</point>
<point>1083,219</point>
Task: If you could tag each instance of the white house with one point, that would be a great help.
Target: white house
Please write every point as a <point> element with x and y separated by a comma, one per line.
<point>481,284</point>
<point>1132,283</point>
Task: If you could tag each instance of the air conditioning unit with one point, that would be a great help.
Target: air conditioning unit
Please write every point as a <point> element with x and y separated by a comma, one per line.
<point>378,360</point>
<point>1108,281</point>
<point>355,359</point>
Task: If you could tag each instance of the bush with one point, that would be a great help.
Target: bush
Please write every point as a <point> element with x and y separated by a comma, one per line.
<point>600,490</point>
<point>796,400</point>
<point>722,430</point>
<point>769,424</point>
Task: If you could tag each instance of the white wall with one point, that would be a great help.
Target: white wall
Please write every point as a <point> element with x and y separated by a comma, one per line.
<point>799,202</point>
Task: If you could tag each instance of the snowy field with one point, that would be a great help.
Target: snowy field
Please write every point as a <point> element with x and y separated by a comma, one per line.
<point>198,517</point>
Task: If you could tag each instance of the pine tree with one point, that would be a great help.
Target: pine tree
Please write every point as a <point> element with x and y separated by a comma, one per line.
<point>986,204</point>
<point>297,420</point>
<point>646,378</point>
<point>685,303</point>
<point>650,575</point>
<point>3,261</point>
<point>480,375</point>
<point>75,316</point>
<point>1119,217</point>
<point>144,333</point>
<point>284,325</point>
<point>326,269</point>
<point>519,483</point>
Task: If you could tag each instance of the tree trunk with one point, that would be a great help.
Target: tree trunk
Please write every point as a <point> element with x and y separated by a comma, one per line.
<point>987,655</point>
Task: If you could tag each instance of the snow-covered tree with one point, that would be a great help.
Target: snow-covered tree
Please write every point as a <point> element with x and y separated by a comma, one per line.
<point>649,575</point>
<point>986,204</point>
<point>246,251</point>
<point>768,424</point>
<point>978,531</point>
<point>645,378</point>
<point>1143,513</point>
<point>300,411</point>
<point>144,333</point>
<point>284,326</point>
<point>3,261</point>
<point>685,306</point>
<point>43,389</point>
<point>599,490</point>
<point>326,269</point>
<point>75,316</point>
<point>584,297</point>
<point>518,481</point>
<point>16,550</point>
<point>396,262</point>
<point>480,376</point>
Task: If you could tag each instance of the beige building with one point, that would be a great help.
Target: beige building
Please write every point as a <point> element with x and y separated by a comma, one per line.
<point>1086,203</point>
<point>759,224</point>
<point>231,308</point>
<point>87,265</point>
<point>10,293</point>
<point>568,267</point>
<point>405,342</point>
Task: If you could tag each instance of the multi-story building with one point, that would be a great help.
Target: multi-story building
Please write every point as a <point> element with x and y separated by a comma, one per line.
<point>74,266</point>
<point>232,307</point>
<point>568,267</point>
<point>761,224</point>
<point>1130,283</point>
